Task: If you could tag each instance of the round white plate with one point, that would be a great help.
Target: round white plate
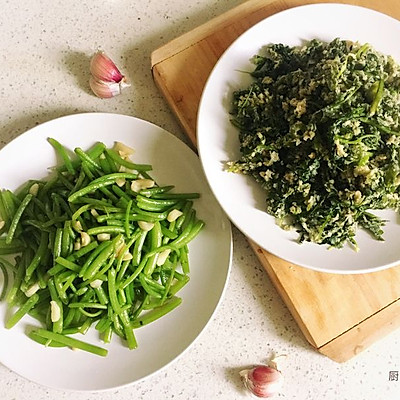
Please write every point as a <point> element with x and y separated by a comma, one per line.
<point>161,342</point>
<point>241,198</point>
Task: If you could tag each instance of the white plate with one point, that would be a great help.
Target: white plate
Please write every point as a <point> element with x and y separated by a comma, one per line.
<point>218,142</point>
<point>159,343</point>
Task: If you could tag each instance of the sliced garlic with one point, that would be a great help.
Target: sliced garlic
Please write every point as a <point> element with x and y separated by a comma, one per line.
<point>33,190</point>
<point>77,225</point>
<point>123,155</point>
<point>102,237</point>
<point>55,311</point>
<point>77,245</point>
<point>96,283</point>
<point>94,212</point>
<point>2,223</point>
<point>146,226</point>
<point>32,290</point>
<point>174,215</point>
<point>127,256</point>
<point>85,239</point>
<point>120,182</point>
<point>123,148</point>
<point>119,247</point>
<point>122,168</point>
<point>162,257</point>
<point>139,184</point>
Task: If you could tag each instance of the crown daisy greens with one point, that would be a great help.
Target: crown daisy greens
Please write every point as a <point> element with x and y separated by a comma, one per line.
<point>319,131</point>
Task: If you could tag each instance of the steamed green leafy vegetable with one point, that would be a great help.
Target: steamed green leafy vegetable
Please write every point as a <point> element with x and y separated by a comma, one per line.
<point>319,131</point>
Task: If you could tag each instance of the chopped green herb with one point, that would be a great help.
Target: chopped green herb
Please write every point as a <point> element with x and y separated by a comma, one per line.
<point>319,131</point>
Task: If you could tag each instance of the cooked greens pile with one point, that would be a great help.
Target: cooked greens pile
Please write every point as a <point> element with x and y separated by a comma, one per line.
<point>319,130</point>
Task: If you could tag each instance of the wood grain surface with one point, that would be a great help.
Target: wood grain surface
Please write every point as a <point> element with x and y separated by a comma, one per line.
<point>340,315</point>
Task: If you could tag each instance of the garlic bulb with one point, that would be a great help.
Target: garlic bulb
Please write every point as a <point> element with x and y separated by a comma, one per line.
<point>263,381</point>
<point>106,80</point>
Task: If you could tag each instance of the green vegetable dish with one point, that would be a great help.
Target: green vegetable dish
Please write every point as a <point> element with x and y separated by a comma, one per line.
<point>319,131</point>
<point>98,243</point>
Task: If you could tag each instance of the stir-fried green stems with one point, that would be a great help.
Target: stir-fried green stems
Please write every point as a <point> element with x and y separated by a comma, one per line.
<point>99,243</point>
<point>320,132</point>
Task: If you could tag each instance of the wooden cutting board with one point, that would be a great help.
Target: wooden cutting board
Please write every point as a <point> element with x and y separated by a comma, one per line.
<point>340,315</point>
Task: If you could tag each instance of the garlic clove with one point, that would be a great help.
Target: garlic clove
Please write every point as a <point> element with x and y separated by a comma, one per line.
<point>104,69</point>
<point>106,90</point>
<point>262,381</point>
<point>106,80</point>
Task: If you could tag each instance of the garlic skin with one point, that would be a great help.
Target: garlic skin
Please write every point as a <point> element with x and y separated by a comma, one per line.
<point>106,90</point>
<point>262,381</point>
<point>103,68</point>
<point>106,80</point>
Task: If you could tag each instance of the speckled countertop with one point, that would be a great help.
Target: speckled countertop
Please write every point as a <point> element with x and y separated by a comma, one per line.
<point>44,50</point>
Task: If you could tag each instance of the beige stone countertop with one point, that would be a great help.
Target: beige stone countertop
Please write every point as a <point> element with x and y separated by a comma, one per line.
<point>45,47</point>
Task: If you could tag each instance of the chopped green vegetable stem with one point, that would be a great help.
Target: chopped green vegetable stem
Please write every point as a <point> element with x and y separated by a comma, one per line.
<point>89,249</point>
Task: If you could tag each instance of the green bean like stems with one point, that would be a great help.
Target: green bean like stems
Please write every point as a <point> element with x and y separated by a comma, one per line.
<point>89,250</point>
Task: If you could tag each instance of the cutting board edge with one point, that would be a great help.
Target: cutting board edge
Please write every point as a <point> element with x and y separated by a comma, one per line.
<point>365,334</point>
<point>261,255</point>
<point>157,77</point>
<point>282,292</point>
